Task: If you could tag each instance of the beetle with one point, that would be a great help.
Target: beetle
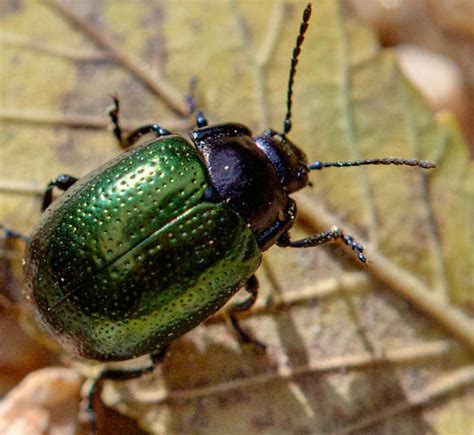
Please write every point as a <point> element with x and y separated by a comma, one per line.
<point>143,249</point>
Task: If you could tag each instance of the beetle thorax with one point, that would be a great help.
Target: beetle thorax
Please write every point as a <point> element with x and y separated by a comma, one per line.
<point>253,176</point>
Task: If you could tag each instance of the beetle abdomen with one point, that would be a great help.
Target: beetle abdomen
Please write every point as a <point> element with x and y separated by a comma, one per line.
<point>132,256</point>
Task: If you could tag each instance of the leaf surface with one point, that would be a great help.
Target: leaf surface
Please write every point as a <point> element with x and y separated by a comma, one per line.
<point>345,344</point>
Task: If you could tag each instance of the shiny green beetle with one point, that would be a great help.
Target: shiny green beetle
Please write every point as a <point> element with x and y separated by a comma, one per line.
<point>134,254</point>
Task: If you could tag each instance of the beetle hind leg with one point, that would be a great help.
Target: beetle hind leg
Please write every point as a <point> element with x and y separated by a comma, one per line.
<point>117,375</point>
<point>251,287</point>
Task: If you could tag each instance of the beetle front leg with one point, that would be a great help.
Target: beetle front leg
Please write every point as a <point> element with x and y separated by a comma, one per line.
<point>126,141</point>
<point>251,287</point>
<point>322,238</point>
<point>62,182</point>
<point>117,375</point>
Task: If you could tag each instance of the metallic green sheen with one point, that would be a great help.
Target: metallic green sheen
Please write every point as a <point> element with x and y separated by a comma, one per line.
<point>132,256</point>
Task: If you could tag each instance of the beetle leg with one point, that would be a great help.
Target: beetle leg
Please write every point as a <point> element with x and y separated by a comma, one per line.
<point>113,112</point>
<point>126,141</point>
<point>117,375</point>
<point>62,182</point>
<point>324,237</point>
<point>135,135</point>
<point>10,234</point>
<point>251,287</point>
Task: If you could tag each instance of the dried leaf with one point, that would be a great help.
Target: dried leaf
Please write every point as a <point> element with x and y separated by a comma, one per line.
<point>342,343</point>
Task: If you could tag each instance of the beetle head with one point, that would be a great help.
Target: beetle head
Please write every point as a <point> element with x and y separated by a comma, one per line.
<point>289,161</point>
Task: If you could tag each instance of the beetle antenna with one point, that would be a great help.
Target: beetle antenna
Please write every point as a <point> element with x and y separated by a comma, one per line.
<point>425,164</point>
<point>294,62</point>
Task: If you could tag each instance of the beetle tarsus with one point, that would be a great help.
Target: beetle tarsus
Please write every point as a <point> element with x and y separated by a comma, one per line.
<point>113,113</point>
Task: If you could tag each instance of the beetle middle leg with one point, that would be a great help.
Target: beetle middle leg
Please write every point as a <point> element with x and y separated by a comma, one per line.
<point>126,141</point>
<point>251,287</point>
<point>117,375</point>
<point>322,238</point>
<point>62,182</point>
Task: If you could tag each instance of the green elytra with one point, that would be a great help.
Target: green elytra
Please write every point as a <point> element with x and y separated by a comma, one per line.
<point>127,262</point>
